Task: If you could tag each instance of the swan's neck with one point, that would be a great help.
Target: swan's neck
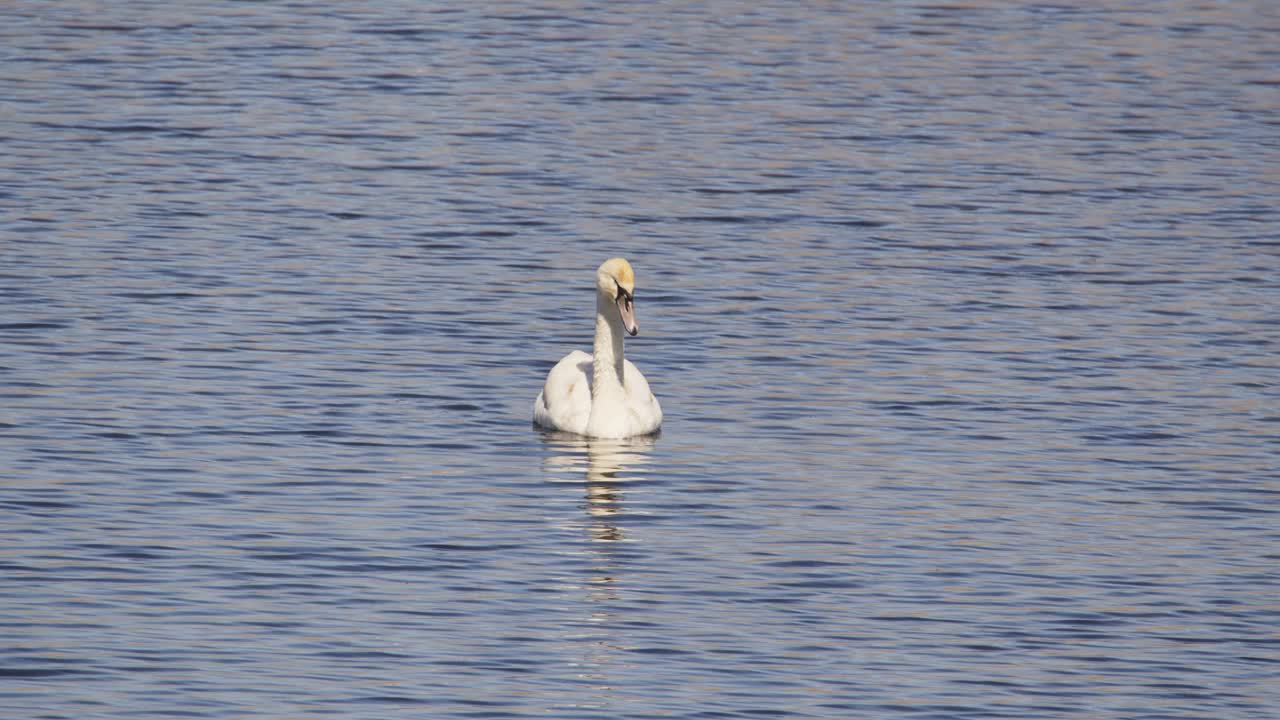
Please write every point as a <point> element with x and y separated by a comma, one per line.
<point>606,360</point>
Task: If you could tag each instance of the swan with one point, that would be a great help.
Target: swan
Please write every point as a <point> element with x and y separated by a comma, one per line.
<point>603,394</point>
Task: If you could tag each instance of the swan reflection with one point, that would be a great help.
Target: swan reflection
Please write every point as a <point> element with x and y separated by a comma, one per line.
<point>603,468</point>
<point>606,465</point>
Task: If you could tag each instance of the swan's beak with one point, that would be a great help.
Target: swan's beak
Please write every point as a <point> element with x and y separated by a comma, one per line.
<point>627,308</point>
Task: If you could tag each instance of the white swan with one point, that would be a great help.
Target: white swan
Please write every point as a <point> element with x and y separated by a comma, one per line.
<point>603,394</point>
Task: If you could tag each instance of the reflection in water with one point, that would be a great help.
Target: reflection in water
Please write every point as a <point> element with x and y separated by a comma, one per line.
<point>606,466</point>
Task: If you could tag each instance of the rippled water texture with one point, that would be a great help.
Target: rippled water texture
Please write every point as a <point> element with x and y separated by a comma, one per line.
<point>963,317</point>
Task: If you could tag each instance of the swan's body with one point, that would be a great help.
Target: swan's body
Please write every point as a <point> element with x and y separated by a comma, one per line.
<point>602,394</point>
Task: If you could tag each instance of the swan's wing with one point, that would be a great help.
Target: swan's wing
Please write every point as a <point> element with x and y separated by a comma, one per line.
<point>565,400</point>
<point>646,413</point>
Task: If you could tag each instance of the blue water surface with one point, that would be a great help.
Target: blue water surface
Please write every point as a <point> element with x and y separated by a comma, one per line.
<point>963,317</point>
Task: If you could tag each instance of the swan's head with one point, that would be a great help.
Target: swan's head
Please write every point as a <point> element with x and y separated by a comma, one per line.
<point>617,282</point>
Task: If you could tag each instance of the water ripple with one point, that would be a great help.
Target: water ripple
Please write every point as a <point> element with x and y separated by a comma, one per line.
<point>961,317</point>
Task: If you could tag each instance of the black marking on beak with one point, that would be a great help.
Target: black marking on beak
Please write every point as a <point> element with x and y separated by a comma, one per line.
<point>627,309</point>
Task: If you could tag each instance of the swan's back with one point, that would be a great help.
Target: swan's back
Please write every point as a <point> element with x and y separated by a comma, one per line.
<point>565,400</point>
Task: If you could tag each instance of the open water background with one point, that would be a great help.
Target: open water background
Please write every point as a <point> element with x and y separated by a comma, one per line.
<point>963,316</point>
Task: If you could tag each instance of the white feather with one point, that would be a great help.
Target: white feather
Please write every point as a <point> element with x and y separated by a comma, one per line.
<point>612,399</point>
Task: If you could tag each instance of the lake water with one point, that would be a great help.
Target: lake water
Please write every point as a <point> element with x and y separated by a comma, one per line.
<point>963,317</point>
